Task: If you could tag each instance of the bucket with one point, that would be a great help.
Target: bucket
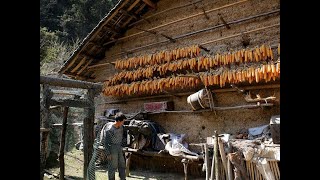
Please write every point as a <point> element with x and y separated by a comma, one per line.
<point>200,99</point>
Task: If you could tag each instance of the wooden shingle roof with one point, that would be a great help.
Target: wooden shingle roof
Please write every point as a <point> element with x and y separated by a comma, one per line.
<point>103,36</point>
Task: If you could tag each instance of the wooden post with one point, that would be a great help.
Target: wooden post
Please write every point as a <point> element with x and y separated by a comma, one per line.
<point>88,132</point>
<point>128,158</point>
<point>212,167</point>
<point>62,142</point>
<point>223,155</point>
<point>216,160</point>
<point>45,124</point>
<point>238,163</point>
<point>185,163</point>
<point>206,160</point>
<point>230,172</point>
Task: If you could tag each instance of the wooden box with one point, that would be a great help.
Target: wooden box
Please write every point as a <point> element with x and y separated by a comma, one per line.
<point>158,106</point>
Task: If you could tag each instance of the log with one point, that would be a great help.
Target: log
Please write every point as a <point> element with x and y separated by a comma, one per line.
<point>66,92</point>
<point>62,142</point>
<point>69,83</point>
<point>128,158</point>
<point>69,103</point>
<point>223,155</point>
<point>84,67</point>
<point>88,134</point>
<point>239,166</point>
<point>212,167</point>
<point>206,161</point>
<point>264,169</point>
<point>216,160</point>
<point>45,124</point>
<point>229,172</point>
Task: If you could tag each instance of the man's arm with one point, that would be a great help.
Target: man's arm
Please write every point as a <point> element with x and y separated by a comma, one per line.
<point>107,142</point>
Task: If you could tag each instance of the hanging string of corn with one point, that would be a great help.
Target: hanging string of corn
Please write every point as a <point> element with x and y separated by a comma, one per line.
<point>198,64</point>
<point>254,73</point>
<point>158,58</point>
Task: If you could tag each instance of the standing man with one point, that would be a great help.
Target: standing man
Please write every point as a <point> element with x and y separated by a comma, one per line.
<point>113,141</point>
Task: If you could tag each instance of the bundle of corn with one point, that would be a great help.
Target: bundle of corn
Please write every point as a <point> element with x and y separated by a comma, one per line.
<point>158,58</point>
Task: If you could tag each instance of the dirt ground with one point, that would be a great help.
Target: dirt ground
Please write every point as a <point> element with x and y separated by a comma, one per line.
<point>74,171</point>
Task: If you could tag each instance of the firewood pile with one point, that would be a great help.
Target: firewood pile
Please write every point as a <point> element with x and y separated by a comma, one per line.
<point>248,154</point>
<point>184,68</point>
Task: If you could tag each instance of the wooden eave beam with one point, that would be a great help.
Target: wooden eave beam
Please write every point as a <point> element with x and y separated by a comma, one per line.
<point>69,103</point>
<point>150,3</point>
<point>66,92</point>
<point>69,83</point>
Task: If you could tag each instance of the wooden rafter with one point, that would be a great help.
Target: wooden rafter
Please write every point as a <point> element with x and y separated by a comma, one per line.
<point>78,65</point>
<point>69,65</point>
<point>133,5</point>
<point>94,34</point>
<point>136,12</point>
<point>150,3</point>
<point>169,9</point>
<point>128,14</point>
<point>84,67</point>
<point>140,8</point>
<point>179,20</point>
<point>111,29</point>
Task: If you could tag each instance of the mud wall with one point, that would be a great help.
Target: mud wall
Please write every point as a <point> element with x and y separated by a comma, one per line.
<point>198,126</point>
<point>229,13</point>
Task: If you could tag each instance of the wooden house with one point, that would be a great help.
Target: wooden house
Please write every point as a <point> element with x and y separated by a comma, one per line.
<point>164,51</point>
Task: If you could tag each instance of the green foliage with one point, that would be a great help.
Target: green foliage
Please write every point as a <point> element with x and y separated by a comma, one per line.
<point>63,24</point>
<point>46,40</point>
<point>75,18</point>
<point>54,53</point>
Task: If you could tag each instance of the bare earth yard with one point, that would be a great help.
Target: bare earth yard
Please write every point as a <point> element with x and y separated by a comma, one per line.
<point>74,170</point>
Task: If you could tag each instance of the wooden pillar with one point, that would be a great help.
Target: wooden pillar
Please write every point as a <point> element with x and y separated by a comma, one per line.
<point>62,142</point>
<point>128,158</point>
<point>216,160</point>
<point>206,160</point>
<point>44,124</point>
<point>88,131</point>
